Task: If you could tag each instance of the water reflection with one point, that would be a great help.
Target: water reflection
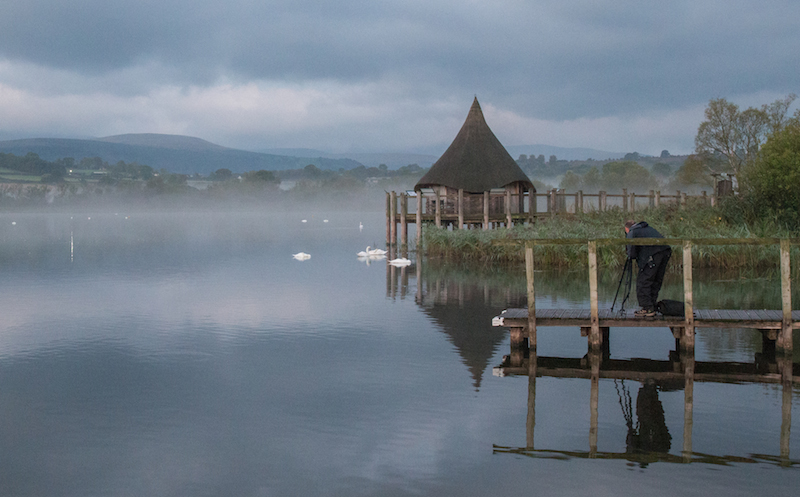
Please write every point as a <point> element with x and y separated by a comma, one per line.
<point>461,302</point>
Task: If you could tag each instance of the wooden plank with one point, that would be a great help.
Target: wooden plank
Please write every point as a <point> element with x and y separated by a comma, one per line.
<point>419,223</point>
<point>460,208</point>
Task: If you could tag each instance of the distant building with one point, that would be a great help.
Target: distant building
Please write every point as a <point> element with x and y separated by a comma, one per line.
<point>476,162</point>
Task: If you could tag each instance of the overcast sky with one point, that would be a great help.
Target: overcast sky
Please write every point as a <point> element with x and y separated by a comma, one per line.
<point>400,75</point>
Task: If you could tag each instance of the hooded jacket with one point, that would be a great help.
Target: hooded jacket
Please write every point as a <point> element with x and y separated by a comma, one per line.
<point>642,253</point>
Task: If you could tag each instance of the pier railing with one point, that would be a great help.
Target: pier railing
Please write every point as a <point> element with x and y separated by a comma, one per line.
<point>429,207</point>
<point>784,334</point>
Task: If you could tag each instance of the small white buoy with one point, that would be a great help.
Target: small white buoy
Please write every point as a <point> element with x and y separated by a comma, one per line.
<point>324,220</point>
<point>13,223</point>
<point>304,221</point>
<point>302,256</point>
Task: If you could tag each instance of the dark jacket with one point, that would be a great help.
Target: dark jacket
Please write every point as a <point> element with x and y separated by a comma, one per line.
<point>642,253</point>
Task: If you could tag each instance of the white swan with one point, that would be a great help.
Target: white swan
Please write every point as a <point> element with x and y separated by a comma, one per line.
<point>402,261</point>
<point>301,256</point>
<point>364,253</point>
<point>376,251</point>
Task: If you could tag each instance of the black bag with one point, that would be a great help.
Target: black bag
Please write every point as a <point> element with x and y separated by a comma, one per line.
<point>670,307</point>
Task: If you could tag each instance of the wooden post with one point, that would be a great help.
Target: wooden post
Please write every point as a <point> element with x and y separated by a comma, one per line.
<point>688,300</point>
<point>704,197</point>
<point>657,198</point>
<point>579,202</point>
<point>683,199</point>
<point>688,403</point>
<point>651,199</point>
<point>388,219</point>
<point>507,205</point>
<point>594,359</point>
<point>530,422</point>
<point>785,337</point>
<point>786,409</point>
<point>393,209</point>
<point>553,202</point>
<point>633,201</point>
<point>531,297</point>
<point>624,200</point>
<point>678,198</point>
<point>419,223</point>
<point>460,208</point>
<point>438,209</point>
<point>404,221</point>
<point>594,333</point>
<point>485,210</point>
<point>532,205</point>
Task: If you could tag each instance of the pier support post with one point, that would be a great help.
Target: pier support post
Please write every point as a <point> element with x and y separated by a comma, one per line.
<point>419,223</point>
<point>404,221</point>
<point>438,209</point>
<point>786,408</point>
<point>688,301</point>
<point>531,297</point>
<point>594,333</point>
<point>507,205</point>
<point>687,360</point>
<point>485,210</point>
<point>594,361</point>
<point>393,211</point>
<point>530,422</point>
<point>785,337</point>
<point>460,208</point>
<point>388,219</point>
<point>532,205</point>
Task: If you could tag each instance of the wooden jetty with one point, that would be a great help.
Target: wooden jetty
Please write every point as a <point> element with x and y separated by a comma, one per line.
<point>776,325</point>
<point>502,208</point>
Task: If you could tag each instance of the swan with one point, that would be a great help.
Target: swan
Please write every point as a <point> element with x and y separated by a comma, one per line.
<point>301,256</point>
<point>364,253</point>
<point>402,261</point>
<point>376,251</point>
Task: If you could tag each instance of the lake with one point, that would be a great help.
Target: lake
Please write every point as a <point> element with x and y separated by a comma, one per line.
<point>159,354</point>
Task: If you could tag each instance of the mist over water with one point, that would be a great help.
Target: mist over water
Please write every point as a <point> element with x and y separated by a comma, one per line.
<point>179,353</point>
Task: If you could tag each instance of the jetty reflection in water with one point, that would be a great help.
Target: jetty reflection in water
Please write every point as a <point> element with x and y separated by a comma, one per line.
<point>461,302</point>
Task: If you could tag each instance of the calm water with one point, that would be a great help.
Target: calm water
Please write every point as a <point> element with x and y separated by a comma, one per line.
<point>150,354</point>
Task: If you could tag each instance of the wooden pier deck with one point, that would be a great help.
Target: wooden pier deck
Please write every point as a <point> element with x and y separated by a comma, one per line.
<point>763,319</point>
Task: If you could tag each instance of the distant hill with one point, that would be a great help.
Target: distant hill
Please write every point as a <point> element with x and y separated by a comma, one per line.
<point>392,160</point>
<point>175,153</point>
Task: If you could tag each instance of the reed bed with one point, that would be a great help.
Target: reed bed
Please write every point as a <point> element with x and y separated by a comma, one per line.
<point>694,221</point>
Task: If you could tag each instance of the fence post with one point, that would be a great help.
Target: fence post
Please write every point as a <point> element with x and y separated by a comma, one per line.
<point>688,301</point>
<point>594,332</point>
<point>633,201</point>
<point>657,198</point>
<point>419,222</point>
<point>601,201</point>
<point>485,211</point>
<point>579,202</point>
<point>393,209</point>
<point>651,199</point>
<point>531,297</point>
<point>460,208</point>
<point>438,209</point>
<point>624,200</point>
<point>785,338</point>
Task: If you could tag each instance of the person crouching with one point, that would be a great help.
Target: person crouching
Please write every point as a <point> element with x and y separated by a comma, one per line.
<point>652,263</point>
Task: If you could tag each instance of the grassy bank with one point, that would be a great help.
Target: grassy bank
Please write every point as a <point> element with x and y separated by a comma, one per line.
<point>691,222</point>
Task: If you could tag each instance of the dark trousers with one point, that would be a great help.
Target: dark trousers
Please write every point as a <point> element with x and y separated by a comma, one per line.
<point>650,278</point>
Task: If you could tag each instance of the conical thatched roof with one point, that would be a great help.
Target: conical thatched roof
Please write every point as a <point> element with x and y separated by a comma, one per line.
<point>476,161</point>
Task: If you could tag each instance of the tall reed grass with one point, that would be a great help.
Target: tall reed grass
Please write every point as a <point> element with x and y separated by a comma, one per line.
<point>693,221</point>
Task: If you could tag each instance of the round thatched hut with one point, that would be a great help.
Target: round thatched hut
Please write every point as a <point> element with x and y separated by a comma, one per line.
<point>478,165</point>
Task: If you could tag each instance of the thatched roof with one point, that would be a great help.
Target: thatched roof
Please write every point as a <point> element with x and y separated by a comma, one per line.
<point>476,161</point>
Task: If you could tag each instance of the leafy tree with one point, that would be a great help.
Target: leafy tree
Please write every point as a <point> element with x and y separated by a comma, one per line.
<point>696,170</point>
<point>222,174</point>
<point>626,174</point>
<point>591,180</point>
<point>736,136</point>
<point>664,154</point>
<point>571,182</point>
<point>553,159</point>
<point>661,169</point>
<point>772,181</point>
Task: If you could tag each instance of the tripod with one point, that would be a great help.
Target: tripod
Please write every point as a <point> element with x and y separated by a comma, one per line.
<point>627,270</point>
